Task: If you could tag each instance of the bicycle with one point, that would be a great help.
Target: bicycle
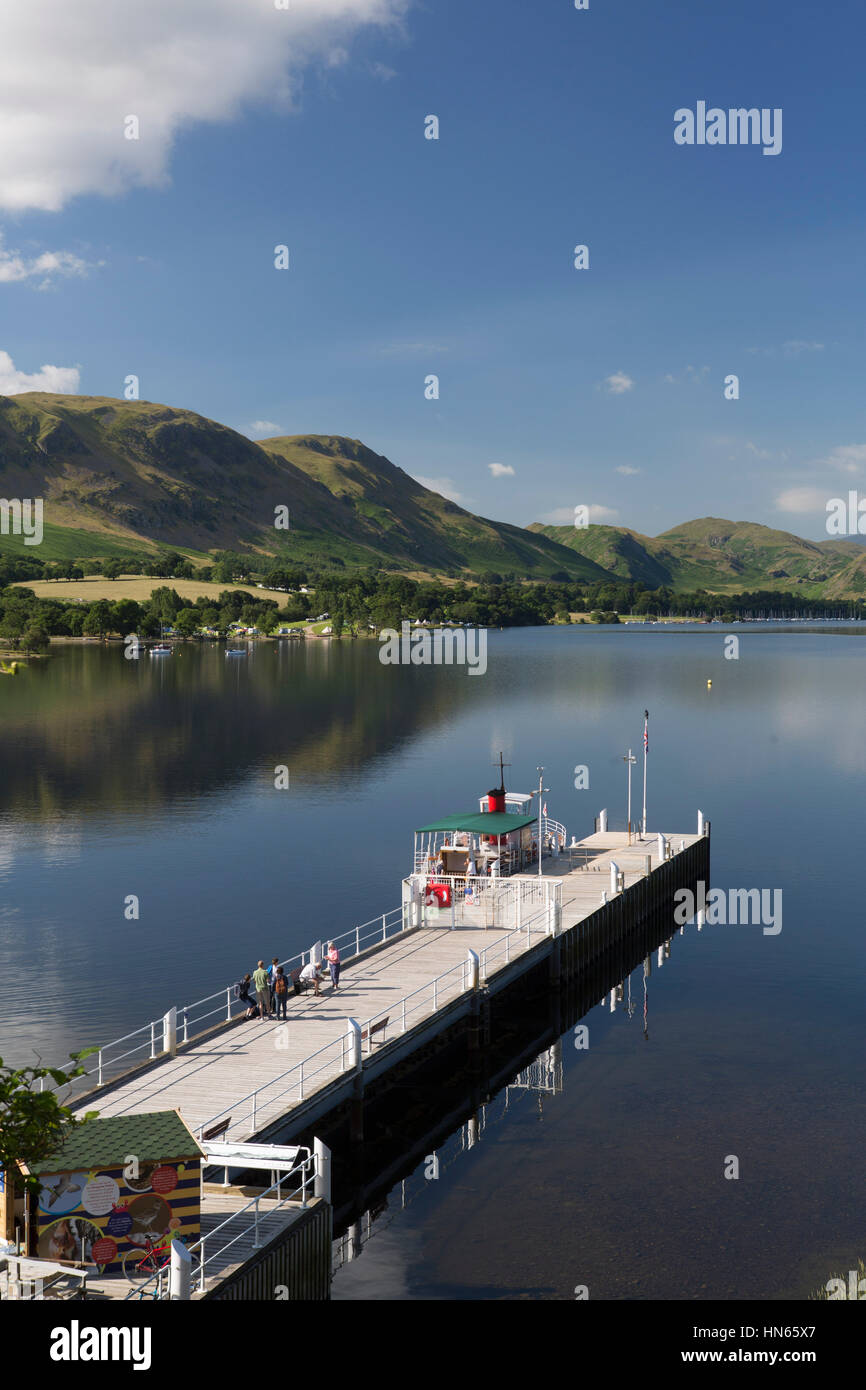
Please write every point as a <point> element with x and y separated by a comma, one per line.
<point>138,1267</point>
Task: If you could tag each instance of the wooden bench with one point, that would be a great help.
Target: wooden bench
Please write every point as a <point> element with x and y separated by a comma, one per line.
<point>217,1131</point>
<point>371,1032</point>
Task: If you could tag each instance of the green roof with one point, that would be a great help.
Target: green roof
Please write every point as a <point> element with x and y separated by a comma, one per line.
<point>479,823</point>
<point>160,1136</point>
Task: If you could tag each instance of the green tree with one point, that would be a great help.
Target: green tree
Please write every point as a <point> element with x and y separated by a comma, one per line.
<point>125,615</point>
<point>33,1123</point>
<point>112,569</point>
<point>187,622</point>
<point>34,638</point>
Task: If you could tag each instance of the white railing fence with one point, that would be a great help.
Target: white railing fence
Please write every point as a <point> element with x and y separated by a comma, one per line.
<point>479,901</point>
<point>210,1249</point>
<point>345,1053</point>
<point>152,1040</point>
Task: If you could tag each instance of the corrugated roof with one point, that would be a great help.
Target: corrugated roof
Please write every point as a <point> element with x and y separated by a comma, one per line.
<point>160,1135</point>
<point>479,823</point>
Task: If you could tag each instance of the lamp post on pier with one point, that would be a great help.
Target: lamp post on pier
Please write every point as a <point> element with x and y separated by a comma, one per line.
<point>541,790</point>
<point>629,759</point>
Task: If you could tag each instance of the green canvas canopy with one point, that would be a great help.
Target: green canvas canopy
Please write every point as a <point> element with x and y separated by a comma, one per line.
<point>479,823</point>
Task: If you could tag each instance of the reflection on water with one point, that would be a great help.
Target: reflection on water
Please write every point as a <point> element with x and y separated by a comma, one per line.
<point>158,779</point>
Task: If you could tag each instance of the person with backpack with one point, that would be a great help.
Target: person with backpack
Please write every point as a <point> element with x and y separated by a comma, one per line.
<point>281,992</point>
<point>242,992</point>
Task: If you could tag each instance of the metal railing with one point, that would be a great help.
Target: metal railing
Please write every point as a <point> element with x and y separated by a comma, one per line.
<point>194,1019</point>
<point>338,1056</point>
<point>157,1286</point>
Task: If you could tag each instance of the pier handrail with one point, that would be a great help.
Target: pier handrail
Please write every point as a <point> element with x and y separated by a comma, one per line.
<point>307,1166</point>
<point>104,1064</point>
<point>435,992</point>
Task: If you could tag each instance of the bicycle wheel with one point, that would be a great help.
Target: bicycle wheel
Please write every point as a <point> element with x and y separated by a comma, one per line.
<point>137,1266</point>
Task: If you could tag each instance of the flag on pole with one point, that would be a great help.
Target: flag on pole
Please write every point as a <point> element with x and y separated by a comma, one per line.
<point>544,809</point>
<point>646,731</point>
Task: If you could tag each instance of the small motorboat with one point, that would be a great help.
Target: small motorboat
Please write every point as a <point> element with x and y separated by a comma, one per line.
<point>236,651</point>
<point>161,649</point>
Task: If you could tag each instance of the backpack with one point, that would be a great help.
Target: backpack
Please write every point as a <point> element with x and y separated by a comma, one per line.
<point>280,984</point>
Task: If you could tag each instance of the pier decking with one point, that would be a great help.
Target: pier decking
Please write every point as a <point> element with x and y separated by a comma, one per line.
<point>262,1075</point>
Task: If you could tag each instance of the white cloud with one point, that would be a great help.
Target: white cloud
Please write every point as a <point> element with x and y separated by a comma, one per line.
<point>759,453</point>
<point>627,471</point>
<point>847,458</point>
<point>48,378</point>
<point>69,78</point>
<point>15,267</point>
<point>693,374</point>
<point>501,470</point>
<point>618,383</point>
<point>802,500</point>
<point>263,428</point>
<point>446,487</point>
<point>795,346</point>
<point>792,348</point>
<point>564,516</point>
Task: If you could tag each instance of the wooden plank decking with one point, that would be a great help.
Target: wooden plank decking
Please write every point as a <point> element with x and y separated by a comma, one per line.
<point>215,1076</point>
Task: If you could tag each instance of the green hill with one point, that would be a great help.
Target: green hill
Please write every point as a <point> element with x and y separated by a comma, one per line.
<point>722,557</point>
<point>122,476</point>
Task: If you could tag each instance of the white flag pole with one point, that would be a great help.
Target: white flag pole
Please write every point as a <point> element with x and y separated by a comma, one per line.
<point>645,749</point>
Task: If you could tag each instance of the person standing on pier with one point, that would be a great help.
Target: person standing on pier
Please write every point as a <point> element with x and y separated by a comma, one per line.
<point>272,979</point>
<point>334,964</point>
<point>281,993</point>
<point>260,981</point>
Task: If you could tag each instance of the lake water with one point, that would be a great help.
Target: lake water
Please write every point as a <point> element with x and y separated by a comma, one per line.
<point>156,778</point>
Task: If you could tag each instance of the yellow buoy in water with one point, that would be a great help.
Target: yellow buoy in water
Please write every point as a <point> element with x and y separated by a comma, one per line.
<point>709,685</point>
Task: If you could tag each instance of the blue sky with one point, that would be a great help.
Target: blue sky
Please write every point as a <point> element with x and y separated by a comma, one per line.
<point>409,256</point>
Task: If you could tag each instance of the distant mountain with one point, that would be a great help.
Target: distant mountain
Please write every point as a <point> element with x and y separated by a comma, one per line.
<point>128,477</point>
<point>123,476</point>
<point>722,557</point>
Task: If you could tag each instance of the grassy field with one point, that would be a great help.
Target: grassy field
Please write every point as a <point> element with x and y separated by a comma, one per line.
<point>136,587</point>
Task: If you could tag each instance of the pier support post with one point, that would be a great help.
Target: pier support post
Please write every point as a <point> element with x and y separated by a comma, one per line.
<point>663,848</point>
<point>356,1060</point>
<point>700,822</point>
<point>474,969</point>
<point>602,821</point>
<point>169,1032</point>
<point>180,1272</point>
<point>614,878</point>
<point>322,1178</point>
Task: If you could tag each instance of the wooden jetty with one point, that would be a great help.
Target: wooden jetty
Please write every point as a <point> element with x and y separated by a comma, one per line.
<point>269,1080</point>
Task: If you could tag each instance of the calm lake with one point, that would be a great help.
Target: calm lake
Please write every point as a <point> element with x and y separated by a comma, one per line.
<point>156,778</point>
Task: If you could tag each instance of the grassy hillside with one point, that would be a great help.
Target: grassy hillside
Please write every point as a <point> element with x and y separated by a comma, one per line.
<point>722,557</point>
<point>116,476</point>
<point>397,516</point>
